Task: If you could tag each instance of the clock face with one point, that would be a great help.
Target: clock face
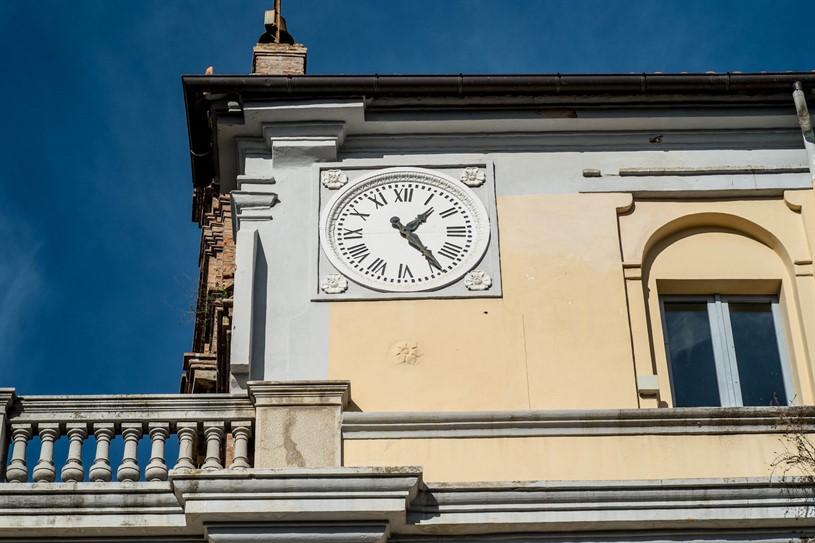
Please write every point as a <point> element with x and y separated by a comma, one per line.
<point>404,230</point>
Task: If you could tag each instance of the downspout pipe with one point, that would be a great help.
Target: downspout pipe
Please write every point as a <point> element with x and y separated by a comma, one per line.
<point>805,122</point>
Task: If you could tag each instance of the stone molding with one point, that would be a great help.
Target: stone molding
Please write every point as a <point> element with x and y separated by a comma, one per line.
<point>301,495</point>
<point>472,138</point>
<point>711,535</point>
<point>555,506</point>
<point>276,532</point>
<point>611,422</point>
<point>89,509</point>
<point>132,407</point>
<point>328,505</point>
<point>305,393</point>
<point>7,396</point>
<point>304,131</point>
<point>251,206</point>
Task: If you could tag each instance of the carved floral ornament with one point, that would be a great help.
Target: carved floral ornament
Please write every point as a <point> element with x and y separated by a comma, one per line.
<point>473,176</point>
<point>477,280</point>
<point>406,352</point>
<point>334,283</point>
<point>334,179</point>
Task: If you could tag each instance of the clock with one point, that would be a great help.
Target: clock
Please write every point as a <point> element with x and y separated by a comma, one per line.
<point>404,230</point>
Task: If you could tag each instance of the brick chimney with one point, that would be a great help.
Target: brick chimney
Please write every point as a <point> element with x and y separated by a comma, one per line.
<point>276,53</point>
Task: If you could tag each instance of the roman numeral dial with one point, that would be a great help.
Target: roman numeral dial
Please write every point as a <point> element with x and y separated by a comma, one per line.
<point>404,230</point>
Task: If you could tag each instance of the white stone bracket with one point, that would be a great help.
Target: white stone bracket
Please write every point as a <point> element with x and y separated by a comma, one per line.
<point>248,207</point>
<point>286,145</point>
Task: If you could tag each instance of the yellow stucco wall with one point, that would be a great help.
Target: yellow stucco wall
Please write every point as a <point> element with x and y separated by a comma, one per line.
<point>557,339</point>
<point>573,458</point>
<point>575,303</point>
<point>578,322</point>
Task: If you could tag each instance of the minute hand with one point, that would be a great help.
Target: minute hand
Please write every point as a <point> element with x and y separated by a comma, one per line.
<point>414,240</point>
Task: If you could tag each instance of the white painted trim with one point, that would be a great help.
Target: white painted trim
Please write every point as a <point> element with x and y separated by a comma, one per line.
<point>246,242</point>
<point>607,422</point>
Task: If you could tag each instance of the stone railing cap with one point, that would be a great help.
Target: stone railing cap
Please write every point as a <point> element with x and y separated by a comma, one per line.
<point>267,393</point>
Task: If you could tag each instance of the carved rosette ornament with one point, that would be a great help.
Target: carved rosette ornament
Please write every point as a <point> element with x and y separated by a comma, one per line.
<point>334,179</point>
<point>406,352</point>
<point>473,176</point>
<point>334,283</point>
<point>477,280</point>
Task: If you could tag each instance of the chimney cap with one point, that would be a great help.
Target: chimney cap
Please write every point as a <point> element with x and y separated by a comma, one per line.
<point>270,23</point>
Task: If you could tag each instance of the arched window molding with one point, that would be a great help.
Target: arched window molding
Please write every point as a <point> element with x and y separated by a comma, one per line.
<point>649,228</point>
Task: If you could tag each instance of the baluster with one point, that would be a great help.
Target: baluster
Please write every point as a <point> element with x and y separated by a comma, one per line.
<point>241,431</point>
<point>17,472</point>
<point>187,431</point>
<point>156,470</point>
<point>100,470</point>
<point>129,468</point>
<point>214,433</point>
<point>44,471</point>
<point>73,471</point>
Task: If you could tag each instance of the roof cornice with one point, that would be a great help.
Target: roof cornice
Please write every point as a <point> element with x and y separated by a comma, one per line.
<point>200,91</point>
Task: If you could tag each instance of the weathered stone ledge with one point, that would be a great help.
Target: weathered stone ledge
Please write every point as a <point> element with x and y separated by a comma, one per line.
<point>377,503</point>
<point>611,422</point>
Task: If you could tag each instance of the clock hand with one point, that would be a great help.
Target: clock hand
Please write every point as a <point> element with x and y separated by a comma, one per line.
<point>421,218</point>
<point>414,240</point>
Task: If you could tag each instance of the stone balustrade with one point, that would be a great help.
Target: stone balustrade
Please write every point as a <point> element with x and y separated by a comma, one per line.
<point>204,425</point>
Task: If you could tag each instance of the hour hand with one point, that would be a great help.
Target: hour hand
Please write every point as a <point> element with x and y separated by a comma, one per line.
<point>421,218</point>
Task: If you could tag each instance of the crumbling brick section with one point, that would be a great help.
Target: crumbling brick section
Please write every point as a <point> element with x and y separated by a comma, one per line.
<point>206,369</point>
<point>279,59</point>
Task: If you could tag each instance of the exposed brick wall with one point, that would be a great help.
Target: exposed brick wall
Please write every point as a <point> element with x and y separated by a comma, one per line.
<point>207,366</point>
<point>279,59</point>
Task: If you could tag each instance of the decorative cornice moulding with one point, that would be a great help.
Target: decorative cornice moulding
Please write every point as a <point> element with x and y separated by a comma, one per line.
<point>611,422</point>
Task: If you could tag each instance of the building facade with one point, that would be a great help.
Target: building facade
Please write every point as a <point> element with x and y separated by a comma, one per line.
<point>460,308</point>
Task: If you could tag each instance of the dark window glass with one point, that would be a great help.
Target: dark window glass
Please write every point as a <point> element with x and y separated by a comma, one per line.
<point>756,344</point>
<point>690,354</point>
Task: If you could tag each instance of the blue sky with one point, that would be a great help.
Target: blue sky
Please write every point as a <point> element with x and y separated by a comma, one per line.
<point>98,265</point>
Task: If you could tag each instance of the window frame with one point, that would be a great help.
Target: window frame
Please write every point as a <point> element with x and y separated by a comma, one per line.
<point>724,349</point>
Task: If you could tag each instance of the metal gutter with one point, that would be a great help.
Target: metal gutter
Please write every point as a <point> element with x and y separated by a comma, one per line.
<point>201,90</point>
<point>485,85</point>
<point>806,125</point>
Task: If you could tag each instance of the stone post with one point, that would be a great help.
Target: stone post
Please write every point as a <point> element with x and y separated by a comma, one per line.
<point>6,401</point>
<point>298,423</point>
<point>73,471</point>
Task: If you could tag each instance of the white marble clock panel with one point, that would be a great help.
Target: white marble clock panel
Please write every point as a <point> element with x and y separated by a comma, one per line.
<point>333,278</point>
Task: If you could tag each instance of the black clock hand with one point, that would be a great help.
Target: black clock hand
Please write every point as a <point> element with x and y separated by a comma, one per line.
<point>421,218</point>
<point>414,241</point>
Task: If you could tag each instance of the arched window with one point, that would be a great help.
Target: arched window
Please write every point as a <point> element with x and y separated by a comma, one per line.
<point>720,301</point>
<point>714,298</point>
